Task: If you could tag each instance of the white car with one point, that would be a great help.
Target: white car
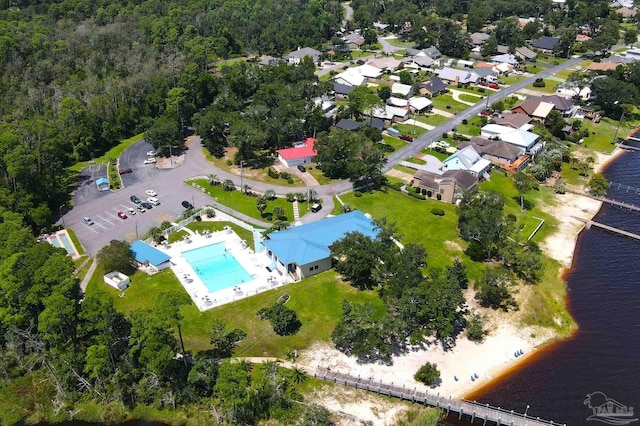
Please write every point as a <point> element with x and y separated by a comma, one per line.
<point>151,192</point>
<point>150,160</point>
<point>132,211</point>
<point>151,153</point>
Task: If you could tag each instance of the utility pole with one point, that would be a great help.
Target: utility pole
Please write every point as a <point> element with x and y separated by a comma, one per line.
<point>62,216</point>
<point>241,174</point>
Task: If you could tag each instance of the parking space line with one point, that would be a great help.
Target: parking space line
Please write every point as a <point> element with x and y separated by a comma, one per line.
<point>100,225</point>
<point>105,220</point>
<point>91,228</point>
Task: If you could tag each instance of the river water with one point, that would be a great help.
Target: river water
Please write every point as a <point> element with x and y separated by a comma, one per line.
<point>604,299</point>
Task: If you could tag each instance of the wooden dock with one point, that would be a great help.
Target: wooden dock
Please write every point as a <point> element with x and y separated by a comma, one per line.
<point>473,410</point>
<point>630,147</point>
<point>591,223</point>
<point>631,207</point>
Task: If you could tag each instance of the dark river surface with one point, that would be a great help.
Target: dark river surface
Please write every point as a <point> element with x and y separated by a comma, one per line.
<point>604,299</point>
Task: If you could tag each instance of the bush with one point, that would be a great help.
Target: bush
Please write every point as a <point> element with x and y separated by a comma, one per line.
<point>465,121</point>
<point>284,320</point>
<point>539,83</point>
<point>272,173</point>
<point>448,107</point>
<point>437,212</point>
<point>290,197</point>
<point>475,327</point>
<point>439,196</point>
<point>418,196</point>
<point>357,194</point>
<point>481,89</point>
<point>290,181</point>
<point>427,374</point>
<point>229,162</point>
<point>285,175</point>
<point>524,203</point>
<point>396,186</point>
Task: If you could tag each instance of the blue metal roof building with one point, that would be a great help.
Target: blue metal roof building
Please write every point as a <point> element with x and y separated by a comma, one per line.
<point>145,254</point>
<point>303,251</point>
<point>103,184</point>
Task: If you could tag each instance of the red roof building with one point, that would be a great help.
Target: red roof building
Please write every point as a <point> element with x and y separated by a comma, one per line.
<point>300,153</point>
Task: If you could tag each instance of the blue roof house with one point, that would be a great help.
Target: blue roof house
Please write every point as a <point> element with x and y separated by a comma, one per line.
<point>149,256</point>
<point>103,184</point>
<point>304,250</point>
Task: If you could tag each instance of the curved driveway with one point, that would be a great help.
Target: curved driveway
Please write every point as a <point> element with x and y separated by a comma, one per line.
<point>172,189</point>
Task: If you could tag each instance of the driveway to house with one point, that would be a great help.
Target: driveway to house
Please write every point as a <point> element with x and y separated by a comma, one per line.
<point>456,96</point>
<point>387,47</point>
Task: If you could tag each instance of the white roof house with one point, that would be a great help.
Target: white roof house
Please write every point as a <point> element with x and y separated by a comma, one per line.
<point>397,102</point>
<point>585,93</point>
<point>357,76</point>
<point>400,89</point>
<point>543,109</point>
<point>457,76</point>
<point>419,103</point>
<point>506,58</point>
<point>391,113</point>
<point>369,71</point>
<point>467,159</point>
<point>518,137</point>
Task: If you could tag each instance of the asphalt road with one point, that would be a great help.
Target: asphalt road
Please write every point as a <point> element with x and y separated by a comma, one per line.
<point>170,184</point>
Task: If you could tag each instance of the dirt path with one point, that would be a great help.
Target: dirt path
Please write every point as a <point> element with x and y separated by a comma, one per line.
<point>442,113</point>
<point>400,175</point>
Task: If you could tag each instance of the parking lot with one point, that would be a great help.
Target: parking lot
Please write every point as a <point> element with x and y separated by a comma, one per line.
<point>103,207</point>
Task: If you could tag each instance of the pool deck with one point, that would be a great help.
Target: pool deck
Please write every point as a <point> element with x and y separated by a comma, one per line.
<point>61,239</point>
<point>254,263</point>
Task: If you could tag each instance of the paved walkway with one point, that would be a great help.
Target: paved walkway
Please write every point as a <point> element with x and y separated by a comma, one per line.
<point>442,113</point>
<point>88,275</point>
<point>418,123</point>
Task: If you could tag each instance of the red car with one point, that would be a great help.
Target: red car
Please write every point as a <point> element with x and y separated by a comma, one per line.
<point>406,138</point>
<point>125,171</point>
<point>493,86</point>
<point>122,215</point>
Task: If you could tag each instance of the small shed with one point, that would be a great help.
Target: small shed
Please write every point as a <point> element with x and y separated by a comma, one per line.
<point>117,280</point>
<point>393,132</point>
<point>103,184</point>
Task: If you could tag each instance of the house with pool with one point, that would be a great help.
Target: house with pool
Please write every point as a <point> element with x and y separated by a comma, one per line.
<point>304,250</point>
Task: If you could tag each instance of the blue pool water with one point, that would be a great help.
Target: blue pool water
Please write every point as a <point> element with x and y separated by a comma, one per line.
<point>216,267</point>
<point>67,244</point>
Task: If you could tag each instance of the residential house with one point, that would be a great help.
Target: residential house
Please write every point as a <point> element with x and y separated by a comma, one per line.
<point>486,73</point>
<point>380,26</point>
<point>524,139</point>
<point>397,102</point>
<point>581,38</point>
<point>545,44</point>
<point>454,76</point>
<point>420,104</point>
<point>449,186</point>
<point>515,121</point>
<point>603,66</point>
<point>534,108</point>
<point>561,103</point>
<point>390,114</point>
<point>421,62</point>
<point>347,124</point>
<point>357,76</point>
<point>525,53</point>
<point>388,63</point>
<point>328,106</point>
<point>626,12</point>
<point>501,48</point>
<point>305,250</point>
<point>478,39</point>
<point>467,159</point>
<point>500,153</point>
<point>353,41</point>
<point>432,52</point>
<point>404,90</point>
<point>507,58</point>
<point>296,56</point>
<point>464,63</point>
<point>575,92</point>
<point>503,68</point>
<point>341,91</point>
<point>300,153</point>
<point>432,87</point>
<point>149,257</point>
<point>270,60</point>
<point>376,123</point>
<point>633,54</point>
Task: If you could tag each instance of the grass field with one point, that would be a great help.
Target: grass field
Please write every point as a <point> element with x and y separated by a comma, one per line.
<point>512,79</point>
<point>432,119</point>
<point>472,128</point>
<point>470,98</point>
<point>410,129</point>
<point>416,160</point>
<point>444,101</point>
<point>602,133</point>
<point>316,300</point>
<point>550,86</point>
<point>403,169</point>
<point>439,155</point>
<point>396,143</point>
<point>114,152</point>
<point>247,204</point>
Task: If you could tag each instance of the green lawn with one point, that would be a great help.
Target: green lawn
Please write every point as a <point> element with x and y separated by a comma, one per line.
<point>470,98</point>
<point>75,241</point>
<point>550,86</point>
<point>602,133</point>
<point>439,155</point>
<point>318,175</point>
<point>472,128</point>
<point>247,204</point>
<point>396,143</point>
<point>564,74</point>
<point>399,43</point>
<point>316,300</point>
<point>410,129</point>
<point>403,169</point>
<point>476,90</point>
<point>446,100</point>
<point>416,160</point>
<point>512,79</point>
<point>432,119</point>
<point>114,152</point>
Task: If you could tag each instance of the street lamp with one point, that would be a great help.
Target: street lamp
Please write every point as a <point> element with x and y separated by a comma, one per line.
<point>241,174</point>
<point>526,409</point>
<point>61,215</point>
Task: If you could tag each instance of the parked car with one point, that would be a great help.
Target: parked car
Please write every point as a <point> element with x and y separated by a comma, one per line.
<point>151,153</point>
<point>493,86</point>
<point>141,209</point>
<point>301,168</point>
<point>150,160</point>
<point>135,199</point>
<point>187,205</point>
<point>122,215</point>
<point>87,220</point>
<point>316,207</point>
<point>146,205</point>
<point>125,171</point>
<point>151,193</point>
<point>153,200</point>
<point>132,211</point>
<point>406,138</point>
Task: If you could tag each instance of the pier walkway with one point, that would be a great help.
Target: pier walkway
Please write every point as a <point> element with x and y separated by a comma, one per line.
<point>591,223</point>
<point>606,200</point>
<point>471,409</point>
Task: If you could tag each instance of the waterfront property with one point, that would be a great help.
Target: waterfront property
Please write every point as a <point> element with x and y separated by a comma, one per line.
<point>303,251</point>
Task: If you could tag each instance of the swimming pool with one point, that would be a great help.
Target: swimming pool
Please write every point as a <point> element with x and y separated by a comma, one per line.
<point>216,267</point>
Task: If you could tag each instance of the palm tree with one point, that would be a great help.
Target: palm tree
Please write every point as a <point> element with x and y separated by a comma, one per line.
<point>261,204</point>
<point>213,179</point>
<point>246,188</point>
<point>313,195</point>
<point>298,375</point>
